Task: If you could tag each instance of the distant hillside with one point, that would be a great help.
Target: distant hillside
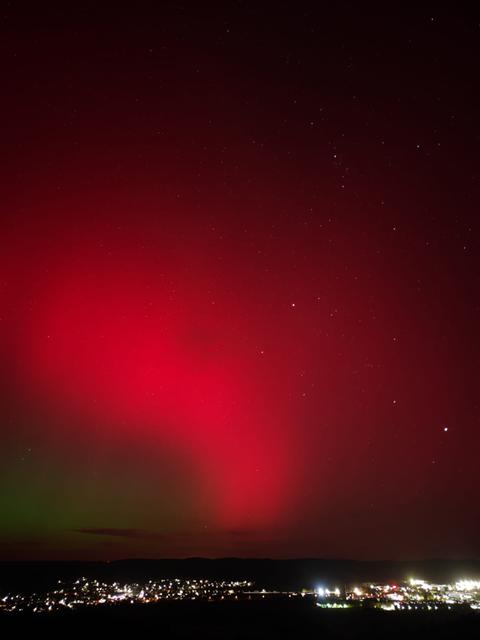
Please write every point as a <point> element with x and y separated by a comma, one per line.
<point>280,574</point>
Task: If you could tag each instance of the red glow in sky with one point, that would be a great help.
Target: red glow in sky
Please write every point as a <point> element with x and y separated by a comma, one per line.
<point>238,299</point>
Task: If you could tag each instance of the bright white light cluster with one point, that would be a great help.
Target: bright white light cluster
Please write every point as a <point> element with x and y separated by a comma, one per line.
<point>415,594</point>
<point>325,593</point>
<point>467,585</point>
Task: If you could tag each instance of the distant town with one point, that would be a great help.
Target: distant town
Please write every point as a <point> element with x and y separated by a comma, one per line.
<point>412,595</point>
<point>416,594</point>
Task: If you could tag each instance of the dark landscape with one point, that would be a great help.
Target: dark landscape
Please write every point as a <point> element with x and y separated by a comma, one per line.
<point>249,620</point>
<point>239,319</point>
<point>265,573</point>
<point>270,614</point>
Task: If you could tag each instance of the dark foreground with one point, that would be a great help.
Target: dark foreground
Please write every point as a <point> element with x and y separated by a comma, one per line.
<point>238,620</point>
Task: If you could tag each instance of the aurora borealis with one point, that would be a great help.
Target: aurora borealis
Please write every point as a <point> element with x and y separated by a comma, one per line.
<point>239,296</point>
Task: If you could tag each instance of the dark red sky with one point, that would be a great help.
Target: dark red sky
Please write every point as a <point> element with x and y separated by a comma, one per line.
<point>239,281</point>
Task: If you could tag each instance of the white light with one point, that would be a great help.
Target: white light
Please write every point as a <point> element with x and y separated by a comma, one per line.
<point>467,585</point>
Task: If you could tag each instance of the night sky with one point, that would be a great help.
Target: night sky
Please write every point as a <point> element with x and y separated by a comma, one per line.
<point>239,301</point>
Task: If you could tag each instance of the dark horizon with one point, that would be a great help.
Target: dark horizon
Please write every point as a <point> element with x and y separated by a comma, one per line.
<point>299,558</point>
<point>271,573</point>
